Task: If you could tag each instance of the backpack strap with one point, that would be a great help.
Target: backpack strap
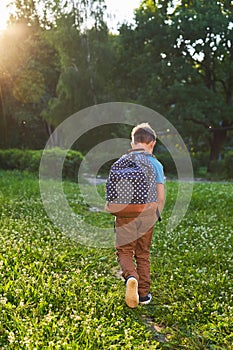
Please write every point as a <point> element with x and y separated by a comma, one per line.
<point>142,150</point>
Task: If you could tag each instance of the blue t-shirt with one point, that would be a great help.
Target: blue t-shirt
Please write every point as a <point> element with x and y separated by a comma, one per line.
<point>158,169</point>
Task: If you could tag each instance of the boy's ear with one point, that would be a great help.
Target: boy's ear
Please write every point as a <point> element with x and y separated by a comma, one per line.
<point>152,143</point>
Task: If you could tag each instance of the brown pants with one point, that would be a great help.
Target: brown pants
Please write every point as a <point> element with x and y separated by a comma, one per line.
<point>133,240</point>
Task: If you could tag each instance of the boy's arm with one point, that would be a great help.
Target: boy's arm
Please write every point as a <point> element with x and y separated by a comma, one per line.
<point>160,196</point>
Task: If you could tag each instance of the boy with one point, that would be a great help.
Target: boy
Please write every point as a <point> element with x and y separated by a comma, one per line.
<point>134,222</point>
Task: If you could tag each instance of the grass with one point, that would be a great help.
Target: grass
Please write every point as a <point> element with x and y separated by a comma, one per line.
<point>58,294</point>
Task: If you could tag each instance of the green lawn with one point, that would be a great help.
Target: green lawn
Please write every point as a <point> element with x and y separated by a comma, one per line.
<point>58,294</point>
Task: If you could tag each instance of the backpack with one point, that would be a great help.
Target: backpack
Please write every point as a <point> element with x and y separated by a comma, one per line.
<point>132,180</point>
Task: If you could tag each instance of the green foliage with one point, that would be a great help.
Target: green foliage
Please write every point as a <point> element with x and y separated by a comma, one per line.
<point>12,159</point>
<point>228,164</point>
<point>30,160</point>
<point>57,58</point>
<point>57,294</point>
<point>51,67</point>
<point>181,65</point>
<point>28,79</point>
<point>85,61</point>
<point>71,164</point>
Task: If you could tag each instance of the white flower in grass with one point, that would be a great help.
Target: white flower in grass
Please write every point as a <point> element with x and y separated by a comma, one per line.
<point>49,316</point>
<point>11,337</point>
<point>26,341</point>
<point>3,300</point>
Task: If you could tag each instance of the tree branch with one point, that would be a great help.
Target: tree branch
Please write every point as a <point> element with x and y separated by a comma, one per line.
<point>223,128</point>
<point>196,121</point>
<point>207,126</point>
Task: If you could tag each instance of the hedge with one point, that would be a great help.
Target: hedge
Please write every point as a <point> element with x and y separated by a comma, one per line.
<point>29,160</point>
<point>228,162</point>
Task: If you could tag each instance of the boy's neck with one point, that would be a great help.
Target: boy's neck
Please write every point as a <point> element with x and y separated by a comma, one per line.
<point>147,148</point>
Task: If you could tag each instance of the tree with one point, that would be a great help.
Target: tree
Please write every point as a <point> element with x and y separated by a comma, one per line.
<point>28,78</point>
<point>205,43</point>
<point>85,60</point>
<point>56,59</point>
<point>178,60</point>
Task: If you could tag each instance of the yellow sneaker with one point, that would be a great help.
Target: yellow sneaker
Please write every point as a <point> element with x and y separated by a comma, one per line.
<point>131,295</point>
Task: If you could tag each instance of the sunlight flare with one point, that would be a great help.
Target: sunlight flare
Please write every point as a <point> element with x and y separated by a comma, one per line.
<point>4,10</point>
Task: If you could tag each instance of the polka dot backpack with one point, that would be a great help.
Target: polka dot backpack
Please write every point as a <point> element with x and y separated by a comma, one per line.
<point>132,180</point>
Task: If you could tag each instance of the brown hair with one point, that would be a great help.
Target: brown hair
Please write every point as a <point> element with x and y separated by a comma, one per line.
<point>143,133</point>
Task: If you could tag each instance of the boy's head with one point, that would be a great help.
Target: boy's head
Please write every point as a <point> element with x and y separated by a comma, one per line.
<point>143,133</point>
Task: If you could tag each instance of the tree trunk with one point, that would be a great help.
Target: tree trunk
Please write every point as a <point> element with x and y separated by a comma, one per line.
<point>91,80</point>
<point>216,144</point>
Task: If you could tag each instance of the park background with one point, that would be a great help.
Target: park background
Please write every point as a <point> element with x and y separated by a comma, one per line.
<point>57,58</point>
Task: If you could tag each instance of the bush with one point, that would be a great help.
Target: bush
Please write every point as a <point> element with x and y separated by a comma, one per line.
<point>72,164</point>
<point>12,159</point>
<point>228,164</point>
<point>216,171</point>
<point>200,161</point>
<point>29,160</point>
